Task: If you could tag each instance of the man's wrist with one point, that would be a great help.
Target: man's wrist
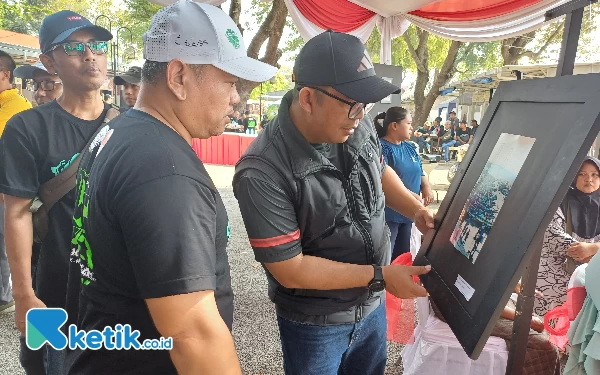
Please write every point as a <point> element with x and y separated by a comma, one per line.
<point>418,209</point>
<point>23,293</point>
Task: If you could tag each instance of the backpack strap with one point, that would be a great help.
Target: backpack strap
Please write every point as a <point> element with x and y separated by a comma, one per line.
<point>57,187</point>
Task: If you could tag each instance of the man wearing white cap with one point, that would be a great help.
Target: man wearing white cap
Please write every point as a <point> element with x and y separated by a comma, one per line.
<point>47,87</point>
<point>150,216</point>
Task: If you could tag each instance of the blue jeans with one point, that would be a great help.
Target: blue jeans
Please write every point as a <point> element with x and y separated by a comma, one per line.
<point>44,361</point>
<point>345,349</point>
<point>399,238</point>
<point>251,130</point>
<point>423,144</point>
<point>446,148</point>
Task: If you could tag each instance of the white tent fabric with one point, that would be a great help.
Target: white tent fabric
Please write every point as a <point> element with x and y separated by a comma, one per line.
<point>497,28</point>
<point>390,28</point>
<point>388,8</point>
<point>392,19</point>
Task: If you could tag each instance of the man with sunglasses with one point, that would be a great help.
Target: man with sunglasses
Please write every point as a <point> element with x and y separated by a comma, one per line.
<point>39,144</point>
<point>311,192</point>
<point>46,86</point>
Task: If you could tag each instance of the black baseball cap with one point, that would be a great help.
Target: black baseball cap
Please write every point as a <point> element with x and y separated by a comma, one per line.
<point>58,27</point>
<point>341,61</point>
<point>132,76</point>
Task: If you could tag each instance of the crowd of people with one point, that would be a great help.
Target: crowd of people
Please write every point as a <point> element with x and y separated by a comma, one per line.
<point>110,215</point>
<point>438,138</point>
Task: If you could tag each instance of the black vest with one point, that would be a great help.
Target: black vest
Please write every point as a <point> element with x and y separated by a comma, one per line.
<point>341,217</point>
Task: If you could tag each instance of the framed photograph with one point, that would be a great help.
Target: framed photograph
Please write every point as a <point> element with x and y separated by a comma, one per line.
<point>387,99</point>
<point>523,158</point>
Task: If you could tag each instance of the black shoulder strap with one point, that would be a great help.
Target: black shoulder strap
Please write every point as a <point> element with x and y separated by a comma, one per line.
<point>53,190</point>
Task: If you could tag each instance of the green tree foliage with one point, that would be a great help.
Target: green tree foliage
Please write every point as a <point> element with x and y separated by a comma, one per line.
<point>543,44</point>
<point>281,81</point>
<point>435,61</point>
<point>22,16</point>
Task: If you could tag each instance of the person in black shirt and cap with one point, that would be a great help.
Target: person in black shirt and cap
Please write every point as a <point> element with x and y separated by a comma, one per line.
<point>150,229</point>
<point>311,193</point>
<point>47,87</point>
<point>38,145</point>
<point>130,81</point>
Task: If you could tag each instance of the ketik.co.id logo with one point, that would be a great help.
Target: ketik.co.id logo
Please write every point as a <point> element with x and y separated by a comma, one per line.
<point>44,326</point>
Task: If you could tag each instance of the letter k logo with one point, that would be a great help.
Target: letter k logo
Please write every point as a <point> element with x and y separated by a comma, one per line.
<point>43,326</point>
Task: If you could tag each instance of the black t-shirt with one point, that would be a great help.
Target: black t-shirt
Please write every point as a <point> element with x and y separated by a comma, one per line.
<point>464,135</point>
<point>154,225</point>
<point>249,122</point>
<point>37,145</point>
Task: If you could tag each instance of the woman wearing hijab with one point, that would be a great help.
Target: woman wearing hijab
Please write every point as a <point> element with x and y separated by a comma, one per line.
<point>394,128</point>
<point>573,237</point>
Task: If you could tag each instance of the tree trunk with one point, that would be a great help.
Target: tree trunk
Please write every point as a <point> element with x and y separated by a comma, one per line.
<point>423,104</point>
<point>235,9</point>
<point>271,32</point>
<point>420,55</point>
<point>512,49</point>
<point>419,97</point>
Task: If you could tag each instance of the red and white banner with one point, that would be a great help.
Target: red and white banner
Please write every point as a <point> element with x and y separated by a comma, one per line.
<point>468,21</point>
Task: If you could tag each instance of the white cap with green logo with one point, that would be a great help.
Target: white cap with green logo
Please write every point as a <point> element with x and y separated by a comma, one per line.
<point>198,33</point>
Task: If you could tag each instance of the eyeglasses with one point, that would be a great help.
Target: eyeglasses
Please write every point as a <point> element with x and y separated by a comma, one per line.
<point>78,48</point>
<point>355,107</point>
<point>46,85</point>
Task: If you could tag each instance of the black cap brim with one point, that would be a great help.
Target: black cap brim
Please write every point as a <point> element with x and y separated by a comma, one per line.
<point>102,34</point>
<point>124,78</point>
<point>367,90</point>
<point>27,71</point>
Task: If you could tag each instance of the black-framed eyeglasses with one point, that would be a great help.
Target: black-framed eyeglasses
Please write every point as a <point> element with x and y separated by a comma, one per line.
<point>355,107</point>
<point>45,85</point>
<point>78,48</point>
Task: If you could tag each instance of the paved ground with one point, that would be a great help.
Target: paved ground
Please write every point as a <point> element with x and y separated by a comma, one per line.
<point>255,328</point>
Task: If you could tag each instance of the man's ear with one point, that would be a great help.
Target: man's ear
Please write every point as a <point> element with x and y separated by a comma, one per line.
<point>307,98</point>
<point>177,78</point>
<point>49,63</point>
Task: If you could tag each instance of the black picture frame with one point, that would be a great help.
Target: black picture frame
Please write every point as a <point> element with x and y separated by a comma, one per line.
<point>563,115</point>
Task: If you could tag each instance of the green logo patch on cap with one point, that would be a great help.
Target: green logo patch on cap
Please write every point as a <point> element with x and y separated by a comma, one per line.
<point>233,38</point>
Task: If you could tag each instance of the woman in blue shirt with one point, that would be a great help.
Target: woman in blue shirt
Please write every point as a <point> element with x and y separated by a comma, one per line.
<point>394,128</point>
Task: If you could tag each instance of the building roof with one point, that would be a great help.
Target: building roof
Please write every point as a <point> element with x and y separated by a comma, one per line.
<point>17,39</point>
<point>22,47</point>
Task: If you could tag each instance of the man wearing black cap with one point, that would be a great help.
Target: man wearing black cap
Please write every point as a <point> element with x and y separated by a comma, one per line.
<point>47,87</point>
<point>39,144</point>
<point>311,192</point>
<point>130,81</point>
<point>463,134</point>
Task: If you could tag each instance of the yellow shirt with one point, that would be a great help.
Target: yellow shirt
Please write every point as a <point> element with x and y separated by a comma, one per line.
<point>11,103</point>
